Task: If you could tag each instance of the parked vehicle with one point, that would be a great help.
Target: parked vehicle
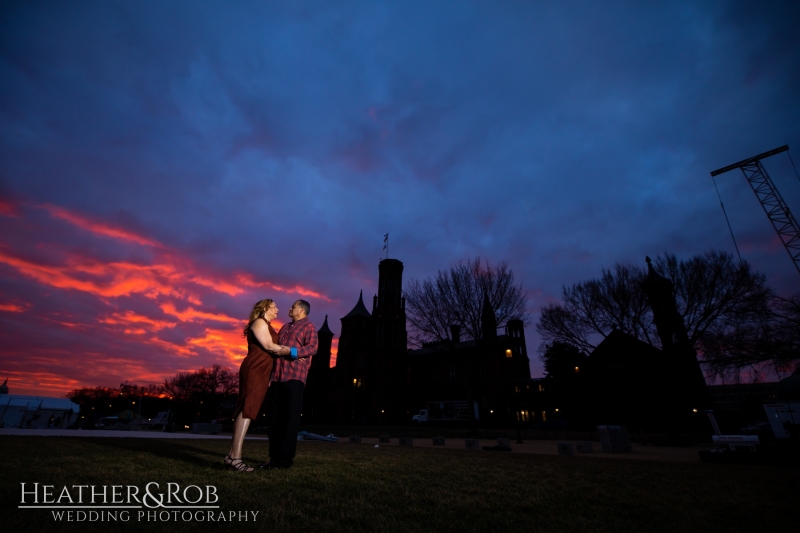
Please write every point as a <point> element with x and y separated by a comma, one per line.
<point>444,411</point>
<point>762,429</point>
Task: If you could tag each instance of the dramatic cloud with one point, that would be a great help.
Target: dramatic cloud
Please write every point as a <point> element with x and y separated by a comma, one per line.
<point>164,165</point>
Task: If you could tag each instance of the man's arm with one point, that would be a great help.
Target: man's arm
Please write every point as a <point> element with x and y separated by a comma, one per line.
<point>308,342</point>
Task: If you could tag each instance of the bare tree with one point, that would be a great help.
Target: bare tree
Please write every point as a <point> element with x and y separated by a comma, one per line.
<point>592,309</point>
<point>731,317</point>
<point>204,383</point>
<point>455,297</point>
<point>769,336</point>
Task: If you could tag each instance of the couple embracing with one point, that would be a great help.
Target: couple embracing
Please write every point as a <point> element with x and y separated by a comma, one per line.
<point>276,366</point>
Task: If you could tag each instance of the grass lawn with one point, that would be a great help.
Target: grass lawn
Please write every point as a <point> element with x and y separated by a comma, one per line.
<point>349,487</point>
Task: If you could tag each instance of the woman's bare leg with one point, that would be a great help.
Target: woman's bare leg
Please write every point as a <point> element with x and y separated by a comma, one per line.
<point>240,426</point>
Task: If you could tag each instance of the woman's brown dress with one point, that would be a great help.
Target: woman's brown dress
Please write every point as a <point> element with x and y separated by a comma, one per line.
<point>254,376</point>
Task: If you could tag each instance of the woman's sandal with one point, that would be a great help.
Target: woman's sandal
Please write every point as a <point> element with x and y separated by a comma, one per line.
<point>238,464</point>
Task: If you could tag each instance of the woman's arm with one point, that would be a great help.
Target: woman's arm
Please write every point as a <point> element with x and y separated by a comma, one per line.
<point>261,331</point>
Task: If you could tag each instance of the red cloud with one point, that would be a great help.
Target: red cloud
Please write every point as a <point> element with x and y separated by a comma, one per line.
<point>226,342</point>
<point>8,209</point>
<point>170,284</point>
<point>142,323</point>
<point>98,228</point>
<point>192,315</point>
<point>247,280</point>
<point>111,279</point>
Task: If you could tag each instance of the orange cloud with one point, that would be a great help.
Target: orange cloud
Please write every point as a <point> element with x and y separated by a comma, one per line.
<point>177,349</point>
<point>217,285</point>
<point>192,315</point>
<point>97,228</point>
<point>226,342</point>
<point>12,308</point>
<point>247,279</point>
<point>131,319</point>
<point>117,279</point>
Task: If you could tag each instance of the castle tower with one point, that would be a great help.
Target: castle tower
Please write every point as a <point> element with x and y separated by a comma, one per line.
<point>322,359</point>
<point>389,306</point>
<point>684,369</point>
<point>355,329</point>
<point>515,335</point>
<point>488,320</point>
<point>319,381</point>
<point>661,296</point>
<point>353,363</point>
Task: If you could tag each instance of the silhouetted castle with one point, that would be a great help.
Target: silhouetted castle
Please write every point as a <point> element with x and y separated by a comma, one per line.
<point>378,380</point>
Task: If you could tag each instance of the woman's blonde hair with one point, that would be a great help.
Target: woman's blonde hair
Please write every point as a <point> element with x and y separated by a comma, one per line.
<point>258,311</point>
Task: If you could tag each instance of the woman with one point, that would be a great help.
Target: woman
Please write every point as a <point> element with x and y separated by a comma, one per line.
<point>262,344</point>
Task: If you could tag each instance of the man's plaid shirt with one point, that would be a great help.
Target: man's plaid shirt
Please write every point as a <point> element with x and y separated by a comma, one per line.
<point>302,335</point>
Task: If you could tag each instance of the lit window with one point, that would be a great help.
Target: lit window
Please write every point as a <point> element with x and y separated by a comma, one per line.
<point>541,389</point>
<point>357,383</point>
<point>544,416</point>
<point>577,369</point>
<point>508,352</point>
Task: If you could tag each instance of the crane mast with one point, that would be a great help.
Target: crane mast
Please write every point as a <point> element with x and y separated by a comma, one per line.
<point>770,199</point>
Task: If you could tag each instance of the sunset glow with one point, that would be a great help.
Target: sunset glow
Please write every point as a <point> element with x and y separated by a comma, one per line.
<point>140,321</point>
<point>164,167</point>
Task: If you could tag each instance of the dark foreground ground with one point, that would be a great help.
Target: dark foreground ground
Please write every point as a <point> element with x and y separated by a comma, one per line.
<point>351,487</point>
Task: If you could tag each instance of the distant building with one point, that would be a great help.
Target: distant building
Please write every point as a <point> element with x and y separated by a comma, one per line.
<point>483,372</point>
<point>378,380</point>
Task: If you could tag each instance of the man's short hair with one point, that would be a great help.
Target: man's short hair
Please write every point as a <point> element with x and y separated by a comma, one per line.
<point>305,305</point>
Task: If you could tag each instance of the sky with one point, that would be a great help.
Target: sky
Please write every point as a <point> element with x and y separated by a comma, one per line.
<point>164,165</point>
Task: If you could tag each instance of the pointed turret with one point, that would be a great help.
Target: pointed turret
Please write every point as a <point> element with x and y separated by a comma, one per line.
<point>684,370</point>
<point>360,309</point>
<point>661,296</point>
<point>322,359</point>
<point>488,320</point>
<point>325,329</point>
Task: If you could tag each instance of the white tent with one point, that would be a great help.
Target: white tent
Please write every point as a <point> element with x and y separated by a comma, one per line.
<point>18,411</point>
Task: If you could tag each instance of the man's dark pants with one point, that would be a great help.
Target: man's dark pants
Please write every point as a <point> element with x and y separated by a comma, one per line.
<point>285,403</point>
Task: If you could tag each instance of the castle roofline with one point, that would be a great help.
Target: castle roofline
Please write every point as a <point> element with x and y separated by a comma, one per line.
<point>325,328</point>
<point>360,309</point>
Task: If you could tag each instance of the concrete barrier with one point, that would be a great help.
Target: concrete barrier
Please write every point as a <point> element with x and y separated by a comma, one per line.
<point>566,448</point>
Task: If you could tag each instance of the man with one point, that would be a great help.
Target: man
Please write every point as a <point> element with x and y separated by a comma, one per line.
<point>285,396</point>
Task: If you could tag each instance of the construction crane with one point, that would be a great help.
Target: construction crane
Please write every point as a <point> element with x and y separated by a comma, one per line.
<point>774,206</point>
